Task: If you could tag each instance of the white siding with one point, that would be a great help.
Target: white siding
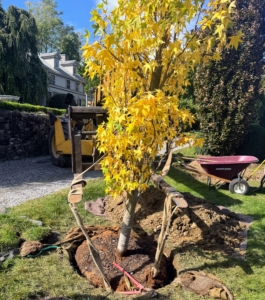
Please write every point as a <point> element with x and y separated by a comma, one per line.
<point>64,72</point>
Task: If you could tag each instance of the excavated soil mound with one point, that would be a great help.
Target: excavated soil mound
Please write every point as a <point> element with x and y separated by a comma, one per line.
<point>138,262</point>
<point>202,223</point>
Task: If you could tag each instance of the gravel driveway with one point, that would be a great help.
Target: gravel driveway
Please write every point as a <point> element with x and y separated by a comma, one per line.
<point>31,178</point>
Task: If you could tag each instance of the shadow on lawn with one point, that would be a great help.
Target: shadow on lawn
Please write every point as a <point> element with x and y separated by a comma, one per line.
<point>229,262</point>
<point>179,177</point>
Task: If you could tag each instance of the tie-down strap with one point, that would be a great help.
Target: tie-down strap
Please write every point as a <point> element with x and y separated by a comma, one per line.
<point>76,193</point>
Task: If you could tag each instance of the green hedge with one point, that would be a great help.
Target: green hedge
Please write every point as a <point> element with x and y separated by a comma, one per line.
<point>58,101</point>
<point>30,108</point>
<point>253,143</point>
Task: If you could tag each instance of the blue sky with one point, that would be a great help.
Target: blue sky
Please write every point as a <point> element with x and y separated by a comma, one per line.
<point>75,12</point>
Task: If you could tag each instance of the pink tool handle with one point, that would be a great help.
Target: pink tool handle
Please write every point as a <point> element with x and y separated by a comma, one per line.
<point>139,285</point>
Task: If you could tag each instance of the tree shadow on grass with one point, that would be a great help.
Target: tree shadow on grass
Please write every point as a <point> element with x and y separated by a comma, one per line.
<point>185,182</point>
<point>226,261</point>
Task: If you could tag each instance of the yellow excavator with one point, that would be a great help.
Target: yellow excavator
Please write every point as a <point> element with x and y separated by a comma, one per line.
<point>79,121</point>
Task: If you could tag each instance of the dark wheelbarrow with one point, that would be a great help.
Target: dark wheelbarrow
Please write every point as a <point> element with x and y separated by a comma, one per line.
<point>227,169</point>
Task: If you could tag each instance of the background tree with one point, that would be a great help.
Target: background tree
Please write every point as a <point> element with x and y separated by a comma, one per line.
<point>69,42</point>
<point>21,71</point>
<point>227,90</point>
<point>187,101</point>
<point>144,54</point>
<point>90,83</point>
<point>48,21</point>
<point>53,34</point>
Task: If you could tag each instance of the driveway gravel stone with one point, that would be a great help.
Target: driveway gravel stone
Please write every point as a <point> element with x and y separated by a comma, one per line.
<point>32,178</point>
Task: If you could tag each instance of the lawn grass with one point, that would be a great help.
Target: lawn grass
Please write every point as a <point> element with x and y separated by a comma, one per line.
<point>52,275</point>
<point>187,151</point>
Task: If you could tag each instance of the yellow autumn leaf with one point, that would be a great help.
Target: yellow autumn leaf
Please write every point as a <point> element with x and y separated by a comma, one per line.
<point>235,40</point>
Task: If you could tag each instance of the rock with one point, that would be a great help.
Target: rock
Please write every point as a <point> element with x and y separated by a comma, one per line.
<point>36,222</point>
<point>9,254</point>
<point>3,211</point>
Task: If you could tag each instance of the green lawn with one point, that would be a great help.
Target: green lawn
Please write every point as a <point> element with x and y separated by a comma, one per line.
<point>51,274</point>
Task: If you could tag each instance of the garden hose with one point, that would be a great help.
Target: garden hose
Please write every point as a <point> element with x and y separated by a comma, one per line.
<point>43,249</point>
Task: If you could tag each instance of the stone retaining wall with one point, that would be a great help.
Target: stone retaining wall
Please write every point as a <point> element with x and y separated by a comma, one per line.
<point>23,134</point>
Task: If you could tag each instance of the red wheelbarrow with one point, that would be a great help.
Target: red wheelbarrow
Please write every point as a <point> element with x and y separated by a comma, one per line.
<point>227,169</point>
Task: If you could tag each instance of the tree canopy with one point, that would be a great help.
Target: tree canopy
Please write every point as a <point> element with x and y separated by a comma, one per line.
<point>69,42</point>
<point>228,89</point>
<point>147,50</point>
<point>144,53</point>
<point>48,22</point>
<point>21,72</point>
<point>53,34</point>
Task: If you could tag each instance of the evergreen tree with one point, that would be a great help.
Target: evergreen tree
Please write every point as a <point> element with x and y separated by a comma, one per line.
<point>261,107</point>
<point>228,90</point>
<point>21,71</point>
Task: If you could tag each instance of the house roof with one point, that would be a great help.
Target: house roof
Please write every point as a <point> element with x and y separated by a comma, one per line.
<point>61,71</point>
<point>68,63</point>
<point>50,55</point>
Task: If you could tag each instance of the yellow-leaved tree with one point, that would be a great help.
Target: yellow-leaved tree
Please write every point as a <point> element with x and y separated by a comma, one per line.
<point>143,54</point>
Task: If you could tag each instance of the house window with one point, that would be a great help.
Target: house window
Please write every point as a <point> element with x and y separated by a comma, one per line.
<point>52,79</point>
<point>76,86</point>
<point>56,63</point>
<point>68,84</point>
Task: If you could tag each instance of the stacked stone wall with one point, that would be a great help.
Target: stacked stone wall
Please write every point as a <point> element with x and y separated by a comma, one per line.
<point>23,134</point>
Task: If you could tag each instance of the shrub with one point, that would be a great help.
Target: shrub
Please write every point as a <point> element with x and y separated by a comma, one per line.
<point>253,143</point>
<point>29,108</point>
<point>58,101</point>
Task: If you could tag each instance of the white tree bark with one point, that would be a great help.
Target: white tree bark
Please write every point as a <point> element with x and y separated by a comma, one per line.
<point>127,222</point>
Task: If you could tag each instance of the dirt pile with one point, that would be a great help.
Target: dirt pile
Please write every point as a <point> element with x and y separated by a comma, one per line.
<point>202,224</point>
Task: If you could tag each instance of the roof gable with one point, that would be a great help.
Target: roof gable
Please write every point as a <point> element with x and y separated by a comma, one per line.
<point>55,55</point>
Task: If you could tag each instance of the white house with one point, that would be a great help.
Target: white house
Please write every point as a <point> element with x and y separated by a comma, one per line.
<point>63,77</point>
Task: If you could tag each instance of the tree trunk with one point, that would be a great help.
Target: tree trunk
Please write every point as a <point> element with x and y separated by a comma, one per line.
<point>127,222</point>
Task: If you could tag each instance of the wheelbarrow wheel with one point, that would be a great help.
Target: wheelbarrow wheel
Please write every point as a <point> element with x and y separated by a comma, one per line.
<point>238,186</point>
